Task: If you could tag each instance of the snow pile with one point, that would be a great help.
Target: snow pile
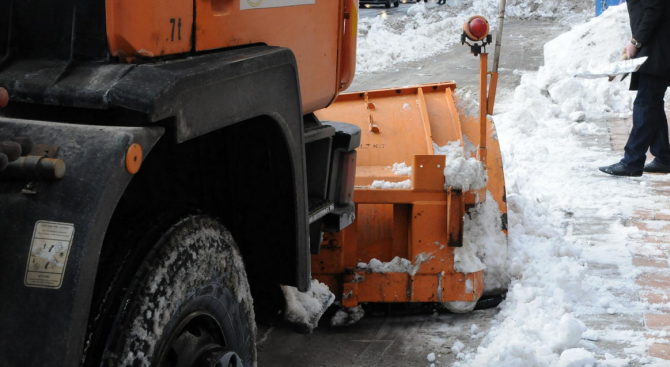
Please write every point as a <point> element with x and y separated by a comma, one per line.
<point>554,92</point>
<point>347,316</point>
<point>484,246</point>
<point>307,308</point>
<point>526,9</point>
<point>548,174</point>
<point>428,30</point>
<point>461,173</point>
<point>384,42</point>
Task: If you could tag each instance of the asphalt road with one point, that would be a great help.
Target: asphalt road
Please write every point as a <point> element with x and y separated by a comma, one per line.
<point>521,51</point>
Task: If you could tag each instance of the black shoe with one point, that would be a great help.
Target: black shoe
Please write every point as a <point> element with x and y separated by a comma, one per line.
<point>656,167</point>
<point>618,169</point>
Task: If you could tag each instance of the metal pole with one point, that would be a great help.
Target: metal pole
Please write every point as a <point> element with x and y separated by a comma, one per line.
<point>501,19</point>
<point>483,103</point>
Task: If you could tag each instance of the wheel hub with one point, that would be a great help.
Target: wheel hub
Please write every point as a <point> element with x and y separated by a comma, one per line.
<point>198,341</point>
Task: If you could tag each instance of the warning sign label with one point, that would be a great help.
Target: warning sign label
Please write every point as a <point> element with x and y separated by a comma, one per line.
<point>48,255</point>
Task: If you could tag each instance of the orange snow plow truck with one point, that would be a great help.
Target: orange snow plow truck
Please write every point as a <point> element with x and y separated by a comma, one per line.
<point>166,165</point>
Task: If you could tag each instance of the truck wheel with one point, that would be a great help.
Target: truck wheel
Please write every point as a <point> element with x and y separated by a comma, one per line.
<point>188,305</point>
<point>388,4</point>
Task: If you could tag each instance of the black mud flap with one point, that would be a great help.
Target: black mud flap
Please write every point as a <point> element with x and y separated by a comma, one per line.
<point>51,235</point>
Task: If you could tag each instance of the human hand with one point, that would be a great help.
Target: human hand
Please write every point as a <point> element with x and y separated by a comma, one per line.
<point>629,51</point>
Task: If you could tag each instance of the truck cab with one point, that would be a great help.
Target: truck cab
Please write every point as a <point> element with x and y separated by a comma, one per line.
<point>164,167</point>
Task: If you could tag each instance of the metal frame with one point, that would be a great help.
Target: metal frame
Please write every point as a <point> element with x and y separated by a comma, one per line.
<point>426,219</point>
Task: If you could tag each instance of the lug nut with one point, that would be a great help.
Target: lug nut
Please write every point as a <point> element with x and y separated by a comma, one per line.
<point>4,97</point>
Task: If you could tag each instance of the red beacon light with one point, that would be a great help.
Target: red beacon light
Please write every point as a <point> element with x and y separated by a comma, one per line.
<point>476,29</point>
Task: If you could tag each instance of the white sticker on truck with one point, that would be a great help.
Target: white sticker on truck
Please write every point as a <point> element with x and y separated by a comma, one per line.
<point>260,4</point>
<point>48,254</point>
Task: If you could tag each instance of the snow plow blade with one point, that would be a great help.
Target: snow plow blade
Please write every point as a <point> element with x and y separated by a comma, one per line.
<point>418,218</point>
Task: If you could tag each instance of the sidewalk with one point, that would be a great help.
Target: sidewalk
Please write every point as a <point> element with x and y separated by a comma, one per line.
<point>649,249</point>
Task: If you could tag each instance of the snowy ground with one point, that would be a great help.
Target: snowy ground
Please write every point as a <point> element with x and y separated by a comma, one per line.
<point>574,298</point>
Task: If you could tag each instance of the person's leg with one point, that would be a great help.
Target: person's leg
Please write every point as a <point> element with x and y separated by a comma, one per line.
<point>660,146</point>
<point>647,109</point>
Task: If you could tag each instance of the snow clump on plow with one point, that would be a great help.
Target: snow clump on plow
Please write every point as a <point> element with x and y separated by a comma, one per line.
<point>305,309</point>
<point>484,247</point>
<point>461,173</point>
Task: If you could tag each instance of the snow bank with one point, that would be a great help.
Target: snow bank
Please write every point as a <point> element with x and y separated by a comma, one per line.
<point>428,30</point>
<point>549,174</point>
<point>384,42</point>
<point>586,46</point>
<point>526,9</point>
<point>308,307</point>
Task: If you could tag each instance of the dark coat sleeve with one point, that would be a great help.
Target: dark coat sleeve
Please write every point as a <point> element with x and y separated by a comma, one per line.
<point>651,19</point>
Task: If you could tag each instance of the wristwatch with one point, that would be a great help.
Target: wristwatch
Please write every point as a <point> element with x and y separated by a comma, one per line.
<point>635,43</point>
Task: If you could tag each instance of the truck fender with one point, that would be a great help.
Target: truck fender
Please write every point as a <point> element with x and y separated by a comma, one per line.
<point>48,297</point>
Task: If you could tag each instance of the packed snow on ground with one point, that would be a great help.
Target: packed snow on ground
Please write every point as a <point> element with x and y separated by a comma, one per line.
<point>307,308</point>
<point>550,175</point>
<point>428,30</point>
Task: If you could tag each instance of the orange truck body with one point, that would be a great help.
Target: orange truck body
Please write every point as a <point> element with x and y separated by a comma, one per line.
<point>426,219</point>
<point>322,35</point>
<point>323,38</point>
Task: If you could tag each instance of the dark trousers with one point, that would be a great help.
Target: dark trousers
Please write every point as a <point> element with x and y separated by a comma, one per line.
<point>650,126</point>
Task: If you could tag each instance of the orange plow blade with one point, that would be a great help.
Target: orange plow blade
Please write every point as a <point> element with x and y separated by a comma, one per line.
<point>408,225</point>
